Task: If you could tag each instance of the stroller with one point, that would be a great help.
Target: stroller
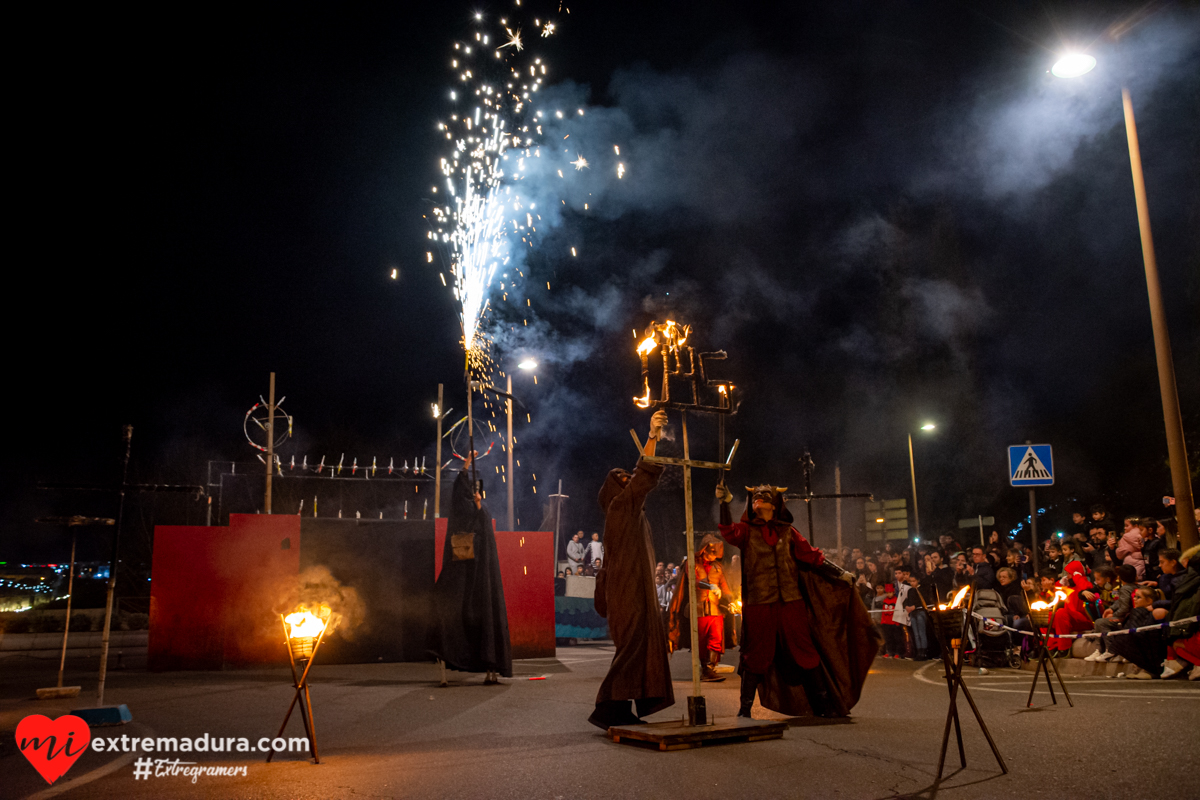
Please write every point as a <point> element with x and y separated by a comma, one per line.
<point>993,646</point>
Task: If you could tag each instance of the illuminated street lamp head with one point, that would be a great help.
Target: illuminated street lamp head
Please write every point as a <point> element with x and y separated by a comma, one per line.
<point>527,364</point>
<point>1073,65</point>
<point>928,426</point>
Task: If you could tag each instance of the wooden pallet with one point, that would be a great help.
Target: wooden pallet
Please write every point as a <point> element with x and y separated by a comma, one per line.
<point>678,735</point>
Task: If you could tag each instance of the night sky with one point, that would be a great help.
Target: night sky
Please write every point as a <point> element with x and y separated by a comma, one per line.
<point>886,213</point>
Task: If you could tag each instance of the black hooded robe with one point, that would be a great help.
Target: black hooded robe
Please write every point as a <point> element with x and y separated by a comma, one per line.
<point>469,630</point>
<point>640,670</point>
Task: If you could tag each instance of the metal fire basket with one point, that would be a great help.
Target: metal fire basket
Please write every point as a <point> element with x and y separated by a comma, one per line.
<point>302,651</point>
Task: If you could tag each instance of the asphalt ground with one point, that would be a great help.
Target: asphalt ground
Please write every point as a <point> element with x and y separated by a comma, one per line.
<point>387,730</point>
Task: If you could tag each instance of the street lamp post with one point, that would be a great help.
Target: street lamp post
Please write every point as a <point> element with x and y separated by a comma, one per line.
<point>912,470</point>
<point>528,365</point>
<point>1071,66</point>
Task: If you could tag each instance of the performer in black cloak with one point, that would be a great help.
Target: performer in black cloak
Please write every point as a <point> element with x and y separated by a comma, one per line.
<point>807,638</point>
<point>470,625</point>
<point>626,595</point>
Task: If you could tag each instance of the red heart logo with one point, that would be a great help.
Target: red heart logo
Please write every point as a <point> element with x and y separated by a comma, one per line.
<point>53,746</point>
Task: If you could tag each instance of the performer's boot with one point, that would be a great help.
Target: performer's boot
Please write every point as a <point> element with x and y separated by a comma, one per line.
<point>823,705</point>
<point>613,712</point>
<point>709,660</point>
<point>750,682</point>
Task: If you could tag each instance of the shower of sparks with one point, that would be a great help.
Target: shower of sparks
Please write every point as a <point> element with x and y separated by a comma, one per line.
<point>493,113</point>
<point>485,210</point>
<point>514,39</point>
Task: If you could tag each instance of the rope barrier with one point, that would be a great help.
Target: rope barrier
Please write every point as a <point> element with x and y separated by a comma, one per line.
<point>991,624</point>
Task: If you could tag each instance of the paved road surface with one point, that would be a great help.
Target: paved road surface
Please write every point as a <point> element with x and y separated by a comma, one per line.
<point>386,731</point>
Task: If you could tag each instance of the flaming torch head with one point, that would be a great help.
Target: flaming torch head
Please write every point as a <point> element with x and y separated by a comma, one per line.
<point>304,628</point>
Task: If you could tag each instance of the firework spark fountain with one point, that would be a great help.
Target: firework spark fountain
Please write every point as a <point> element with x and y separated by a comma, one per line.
<point>492,130</point>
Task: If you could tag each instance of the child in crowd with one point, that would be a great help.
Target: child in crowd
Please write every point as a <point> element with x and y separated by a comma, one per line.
<point>1115,614</point>
<point>1145,649</point>
<point>893,632</point>
<point>1054,558</point>
<point>1129,548</point>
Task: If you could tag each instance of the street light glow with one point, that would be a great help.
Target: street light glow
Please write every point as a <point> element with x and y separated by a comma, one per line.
<point>928,426</point>
<point>527,364</point>
<point>1073,65</point>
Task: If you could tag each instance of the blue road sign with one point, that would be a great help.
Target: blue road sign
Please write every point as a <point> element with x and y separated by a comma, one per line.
<point>1031,465</point>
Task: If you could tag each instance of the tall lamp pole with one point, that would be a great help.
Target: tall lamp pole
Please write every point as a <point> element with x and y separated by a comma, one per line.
<point>912,471</point>
<point>529,365</point>
<point>1072,66</point>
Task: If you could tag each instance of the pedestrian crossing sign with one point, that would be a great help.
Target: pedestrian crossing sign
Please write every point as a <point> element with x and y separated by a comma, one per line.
<point>1031,465</point>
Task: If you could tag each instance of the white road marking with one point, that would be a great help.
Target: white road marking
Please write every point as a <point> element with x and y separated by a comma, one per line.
<point>1148,692</point>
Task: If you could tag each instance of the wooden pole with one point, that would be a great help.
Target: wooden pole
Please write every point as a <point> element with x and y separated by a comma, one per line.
<point>270,442</point>
<point>694,622</point>
<point>437,479</point>
<point>837,489</point>
<point>508,478</point>
<point>62,663</point>
<point>1176,448</point>
<point>112,569</point>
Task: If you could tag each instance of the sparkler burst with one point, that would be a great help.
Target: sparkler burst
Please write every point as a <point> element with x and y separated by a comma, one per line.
<point>491,132</point>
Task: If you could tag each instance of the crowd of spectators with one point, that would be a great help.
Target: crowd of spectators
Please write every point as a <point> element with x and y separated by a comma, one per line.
<point>1098,577</point>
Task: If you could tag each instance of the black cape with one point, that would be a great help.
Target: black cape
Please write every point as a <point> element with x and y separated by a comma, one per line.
<point>469,630</point>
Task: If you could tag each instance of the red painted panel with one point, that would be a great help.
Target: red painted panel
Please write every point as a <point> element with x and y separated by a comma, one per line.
<point>527,572</point>
<point>213,591</point>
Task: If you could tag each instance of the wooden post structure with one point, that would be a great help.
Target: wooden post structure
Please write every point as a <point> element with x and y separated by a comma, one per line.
<point>697,713</point>
<point>837,489</point>
<point>437,479</point>
<point>112,568</point>
<point>270,442</point>
<point>508,477</point>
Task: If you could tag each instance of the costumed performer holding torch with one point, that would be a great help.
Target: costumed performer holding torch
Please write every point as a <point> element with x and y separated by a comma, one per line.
<point>807,637</point>
<point>625,593</point>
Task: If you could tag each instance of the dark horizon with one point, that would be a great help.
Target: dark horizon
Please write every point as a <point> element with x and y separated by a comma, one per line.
<point>883,214</point>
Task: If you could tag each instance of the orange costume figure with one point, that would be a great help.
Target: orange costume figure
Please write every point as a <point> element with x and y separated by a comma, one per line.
<point>711,589</point>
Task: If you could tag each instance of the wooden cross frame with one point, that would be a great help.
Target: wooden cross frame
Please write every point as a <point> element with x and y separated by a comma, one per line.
<point>697,714</point>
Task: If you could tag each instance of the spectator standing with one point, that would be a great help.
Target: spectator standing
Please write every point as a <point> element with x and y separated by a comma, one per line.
<point>594,552</point>
<point>893,632</point>
<point>575,549</point>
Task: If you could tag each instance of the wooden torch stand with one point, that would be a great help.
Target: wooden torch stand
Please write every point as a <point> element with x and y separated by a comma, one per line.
<point>952,661</point>
<point>1045,663</point>
<point>301,696</point>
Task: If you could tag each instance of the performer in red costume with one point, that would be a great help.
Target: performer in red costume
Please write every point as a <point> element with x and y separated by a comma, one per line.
<point>807,641</point>
<point>711,589</point>
<point>1071,616</point>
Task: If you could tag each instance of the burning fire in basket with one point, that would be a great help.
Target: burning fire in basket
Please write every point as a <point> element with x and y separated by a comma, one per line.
<point>1040,610</point>
<point>957,601</point>
<point>304,629</point>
